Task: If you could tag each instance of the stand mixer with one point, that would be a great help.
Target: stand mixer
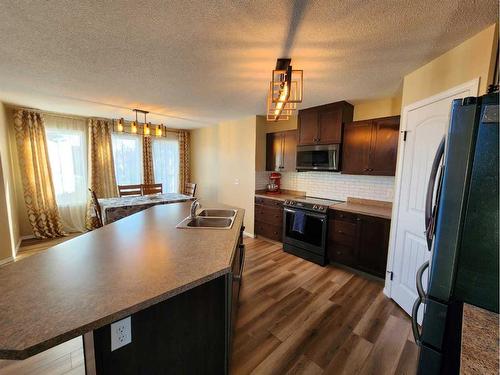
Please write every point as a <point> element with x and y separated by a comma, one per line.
<point>273,187</point>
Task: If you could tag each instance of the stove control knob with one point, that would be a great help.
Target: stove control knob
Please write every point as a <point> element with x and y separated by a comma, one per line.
<point>286,202</point>
<point>315,207</point>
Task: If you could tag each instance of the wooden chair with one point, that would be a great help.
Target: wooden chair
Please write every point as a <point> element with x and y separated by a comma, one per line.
<point>152,189</point>
<point>97,208</point>
<point>129,190</point>
<point>190,189</point>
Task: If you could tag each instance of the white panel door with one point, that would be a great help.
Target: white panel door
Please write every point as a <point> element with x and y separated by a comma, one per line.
<point>426,122</point>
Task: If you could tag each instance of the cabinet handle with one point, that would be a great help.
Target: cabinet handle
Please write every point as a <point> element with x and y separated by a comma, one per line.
<point>340,231</point>
<point>358,219</point>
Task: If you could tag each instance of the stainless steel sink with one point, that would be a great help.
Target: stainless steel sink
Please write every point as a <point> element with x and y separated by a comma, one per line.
<point>213,212</point>
<point>206,223</point>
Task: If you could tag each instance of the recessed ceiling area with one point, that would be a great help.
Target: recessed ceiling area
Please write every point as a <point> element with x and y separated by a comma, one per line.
<point>201,62</point>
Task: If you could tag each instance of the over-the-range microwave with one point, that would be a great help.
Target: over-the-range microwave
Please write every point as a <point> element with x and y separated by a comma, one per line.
<point>318,158</point>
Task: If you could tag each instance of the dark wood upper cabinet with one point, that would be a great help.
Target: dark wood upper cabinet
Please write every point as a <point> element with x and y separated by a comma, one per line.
<point>370,147</point>
<point>356,147</point>
<point>281,149</point>
<point>323,124</point>
<point>308,127</point>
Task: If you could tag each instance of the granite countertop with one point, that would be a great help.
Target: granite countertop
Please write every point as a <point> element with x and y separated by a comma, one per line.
<point>480,341</point>
<point>365,207</point>
<point>283,196</point>
<point>107,274</point>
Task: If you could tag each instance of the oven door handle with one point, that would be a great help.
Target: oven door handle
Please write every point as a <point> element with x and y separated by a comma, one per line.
<point>321,217</point>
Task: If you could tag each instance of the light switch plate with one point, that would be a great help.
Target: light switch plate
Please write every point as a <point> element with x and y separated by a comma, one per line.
<point>121,333</point>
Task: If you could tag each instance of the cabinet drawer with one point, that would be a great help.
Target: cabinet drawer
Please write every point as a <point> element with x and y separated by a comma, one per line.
<point>269,215</point>
<point>345,228</point>
<point>344,216</point>
<point>268,202</point>
<point>273,232</point>
<point>342,254</point>
<point>343,239</point>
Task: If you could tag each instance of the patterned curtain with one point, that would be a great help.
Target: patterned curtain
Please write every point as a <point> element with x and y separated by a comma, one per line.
<point>39,193</point>
<point>184,160</point>
<point>147,160</point>
<point>101,164</point>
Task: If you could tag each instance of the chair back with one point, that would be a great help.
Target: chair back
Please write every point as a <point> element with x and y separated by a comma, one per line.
<point>152,189</point>
<point>97,208</point>
<point>190,189</point>
<point>129,190</point>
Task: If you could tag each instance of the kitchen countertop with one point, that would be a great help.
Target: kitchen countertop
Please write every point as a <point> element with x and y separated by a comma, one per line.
<point>107,274</point>
<point>480,341</point>
<point>283,196</point>
<point>365,207</point>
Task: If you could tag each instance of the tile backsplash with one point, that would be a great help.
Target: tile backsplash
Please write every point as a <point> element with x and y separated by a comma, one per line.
<point>331,185</point>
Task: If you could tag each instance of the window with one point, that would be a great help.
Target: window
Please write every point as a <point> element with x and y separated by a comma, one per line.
<point>67,148</point>
<point>166,163</point>
<point>127,154</point>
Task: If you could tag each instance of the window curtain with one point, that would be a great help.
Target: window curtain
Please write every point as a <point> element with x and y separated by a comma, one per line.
<point>127,155</point>
<point>184,160</point>
<point>101,165</point>
<point>166,162</point>
<point>67,145</point>
<point>147,160</point>
<point>38,188</point>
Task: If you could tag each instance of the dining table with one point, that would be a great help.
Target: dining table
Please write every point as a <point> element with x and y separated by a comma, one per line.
<point>113,209</point>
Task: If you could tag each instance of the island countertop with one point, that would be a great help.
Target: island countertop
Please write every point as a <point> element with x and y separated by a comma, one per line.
<point>107,274</point>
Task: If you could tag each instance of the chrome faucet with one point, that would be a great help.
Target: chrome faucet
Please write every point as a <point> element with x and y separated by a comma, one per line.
<point>194,206</point>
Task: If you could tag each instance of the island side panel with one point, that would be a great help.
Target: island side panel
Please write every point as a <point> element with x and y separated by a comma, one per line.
<point>186,334</point>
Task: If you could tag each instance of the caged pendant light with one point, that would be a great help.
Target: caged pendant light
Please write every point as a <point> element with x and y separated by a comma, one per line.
<point>285,91</point>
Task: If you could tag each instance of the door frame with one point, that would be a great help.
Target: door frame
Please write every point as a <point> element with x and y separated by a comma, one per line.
<point>473,87</point>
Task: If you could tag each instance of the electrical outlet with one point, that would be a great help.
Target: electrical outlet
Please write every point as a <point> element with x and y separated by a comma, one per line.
<point>121,333</point>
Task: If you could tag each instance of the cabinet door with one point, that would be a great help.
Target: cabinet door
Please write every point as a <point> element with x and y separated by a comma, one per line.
<point>274,151</point>
<point>289,151</point>
<point>356,147</point>
<point>308,127</point>
<point>330,126</point>
<point>373,241</point>
<point>384,146</point>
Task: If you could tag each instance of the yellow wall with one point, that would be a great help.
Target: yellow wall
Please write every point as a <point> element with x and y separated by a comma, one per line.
<point>9,227</point>
<point>223,164</point>
<point>369,109</point>
<point>473,58</point>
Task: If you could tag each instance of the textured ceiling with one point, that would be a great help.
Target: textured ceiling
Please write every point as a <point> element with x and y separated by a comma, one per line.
<point>200,62</point>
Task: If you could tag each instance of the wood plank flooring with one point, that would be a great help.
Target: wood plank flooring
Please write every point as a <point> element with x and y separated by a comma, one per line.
<point>299,318</point>
<point>294,318</point>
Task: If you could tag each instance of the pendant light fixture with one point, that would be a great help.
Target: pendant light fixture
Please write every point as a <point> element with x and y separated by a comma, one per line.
<point>146,129</point>
<point>285,91</point>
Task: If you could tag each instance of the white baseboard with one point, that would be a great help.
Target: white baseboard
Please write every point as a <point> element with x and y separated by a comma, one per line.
<point>251,235</point>
<point>6,260</point>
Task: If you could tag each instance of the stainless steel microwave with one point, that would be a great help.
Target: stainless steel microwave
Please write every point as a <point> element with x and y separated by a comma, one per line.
<point>318,157</point>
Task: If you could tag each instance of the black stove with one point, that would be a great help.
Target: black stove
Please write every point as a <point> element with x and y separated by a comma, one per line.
<point>305,226</point>
<point>311,203</point>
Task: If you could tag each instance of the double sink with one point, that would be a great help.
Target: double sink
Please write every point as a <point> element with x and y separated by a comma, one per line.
<point>210,218</point>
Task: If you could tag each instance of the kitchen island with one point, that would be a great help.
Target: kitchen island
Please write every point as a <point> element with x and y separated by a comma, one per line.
<point>177,286</point>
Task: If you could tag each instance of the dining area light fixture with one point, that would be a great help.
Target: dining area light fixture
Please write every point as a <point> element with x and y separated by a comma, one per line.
<point>285,91</point>
<point>135,127</point>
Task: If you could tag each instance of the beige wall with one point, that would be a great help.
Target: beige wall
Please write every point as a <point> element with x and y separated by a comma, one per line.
<point>9,227</point>
<point>473,58</point>
<point>369,109</point>
<point>223,164</point>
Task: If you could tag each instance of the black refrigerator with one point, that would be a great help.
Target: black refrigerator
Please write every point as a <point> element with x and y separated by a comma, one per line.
<point>462,232</point>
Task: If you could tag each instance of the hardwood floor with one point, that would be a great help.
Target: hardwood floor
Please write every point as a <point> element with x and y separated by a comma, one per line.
<point>294,318</point>
<point>299,318</point>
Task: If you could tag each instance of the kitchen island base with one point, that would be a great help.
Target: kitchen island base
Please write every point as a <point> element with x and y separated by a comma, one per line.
<point>186,334</point>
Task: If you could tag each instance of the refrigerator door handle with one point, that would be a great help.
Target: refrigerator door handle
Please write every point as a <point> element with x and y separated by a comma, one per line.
<point>418,302</point>
<point>414,323</point>
<point>420,272</point>
<point>430,193</point>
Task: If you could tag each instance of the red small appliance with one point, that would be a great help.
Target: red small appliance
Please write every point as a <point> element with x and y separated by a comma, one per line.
<point>273,187</point>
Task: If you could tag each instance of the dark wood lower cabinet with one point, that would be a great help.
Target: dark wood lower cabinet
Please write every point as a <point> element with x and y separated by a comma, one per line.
<point>359,241</point>
<point>269,218</point>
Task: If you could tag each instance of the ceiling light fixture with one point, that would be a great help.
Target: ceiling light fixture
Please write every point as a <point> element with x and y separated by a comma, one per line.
<point>135,127</point>
<point>285,91</point>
